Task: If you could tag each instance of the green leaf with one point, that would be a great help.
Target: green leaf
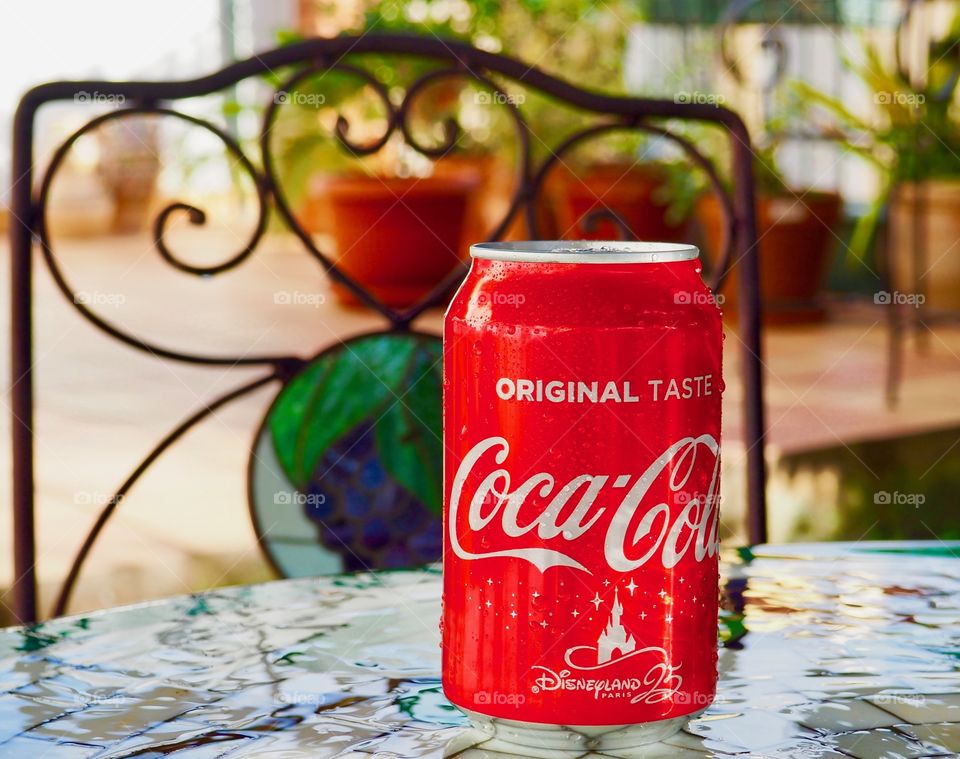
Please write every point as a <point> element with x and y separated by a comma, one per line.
<point>333,395</point>
<point>811,96</point>
<point>409,434</point>
<point>287,413</point>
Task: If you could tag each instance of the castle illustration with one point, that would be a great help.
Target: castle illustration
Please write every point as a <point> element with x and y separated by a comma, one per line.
<point>615,641</point>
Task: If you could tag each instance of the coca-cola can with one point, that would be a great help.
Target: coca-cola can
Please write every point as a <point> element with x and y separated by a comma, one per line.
<point>582,389</point>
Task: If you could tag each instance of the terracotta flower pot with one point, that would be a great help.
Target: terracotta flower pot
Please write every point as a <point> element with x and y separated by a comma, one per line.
<point>129,167</point>
<point>398,237</point>
<point>491,201</point>
<point>314,212</point>
<point>630,191</point>
<point>934,207</point>
<point>795,249</point>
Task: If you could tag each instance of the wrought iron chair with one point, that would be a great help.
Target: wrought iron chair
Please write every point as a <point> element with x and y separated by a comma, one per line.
<point>452,60</point>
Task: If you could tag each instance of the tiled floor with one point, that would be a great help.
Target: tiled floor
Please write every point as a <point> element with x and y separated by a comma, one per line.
<point>102,405</point>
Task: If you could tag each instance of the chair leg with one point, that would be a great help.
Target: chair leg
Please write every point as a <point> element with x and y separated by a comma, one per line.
<point>894,356</point>
<point>21,368</point>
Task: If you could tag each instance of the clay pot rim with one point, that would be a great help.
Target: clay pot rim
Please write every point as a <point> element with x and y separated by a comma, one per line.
<point>649,170</point>
<point>803,196</point>
<point>351,185</point>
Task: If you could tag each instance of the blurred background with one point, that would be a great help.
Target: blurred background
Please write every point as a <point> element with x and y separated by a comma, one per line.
<point>852,108</point>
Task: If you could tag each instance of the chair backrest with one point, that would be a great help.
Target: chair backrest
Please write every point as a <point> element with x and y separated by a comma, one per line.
<point>449,61</point>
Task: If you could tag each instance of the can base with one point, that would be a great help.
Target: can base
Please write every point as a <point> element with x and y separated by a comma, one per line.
<point>541,740</point>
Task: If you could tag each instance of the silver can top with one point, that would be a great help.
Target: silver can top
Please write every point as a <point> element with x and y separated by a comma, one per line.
<point>585,251</point>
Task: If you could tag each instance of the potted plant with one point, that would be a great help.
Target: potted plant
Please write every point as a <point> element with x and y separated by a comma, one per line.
<point>399,236</point>
<point>795,229</point>
<point>643,194</point>
<point>574,39</point>
<point>626,173</point>
<point>398,219</point>
<point>397,223</point>
<point>129,167</point>
<point>914,143</point>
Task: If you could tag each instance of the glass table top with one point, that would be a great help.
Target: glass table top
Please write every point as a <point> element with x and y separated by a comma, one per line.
<point>827,650</point>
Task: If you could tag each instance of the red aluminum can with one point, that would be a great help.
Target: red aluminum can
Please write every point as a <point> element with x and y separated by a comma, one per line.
<point>582,388</point>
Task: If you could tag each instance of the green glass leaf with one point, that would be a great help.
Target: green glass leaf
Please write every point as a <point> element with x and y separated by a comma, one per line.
<point>409,433</point>
<point>336,392</point>
<point>287,414</point>
<point>731,627</point>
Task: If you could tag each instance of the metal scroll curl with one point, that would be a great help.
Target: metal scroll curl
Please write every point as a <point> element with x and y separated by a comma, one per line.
<point>196,216</point>
<point>398,119</point>
<point>452,132</point>
<point>281,366</point>
<point>342,133</point>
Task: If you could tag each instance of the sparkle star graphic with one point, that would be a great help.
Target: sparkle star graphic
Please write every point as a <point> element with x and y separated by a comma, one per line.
<point>535,594</point>
<point>513,614</point>
<point>606,583</point>
<point>543,624</point>
<point>632,586</point>
<point>489,581</point>
<point>596,601</point>
<point>668,618</point>
<point>576,613</point>
<point>488,604</point>
<point>662,593</point>
<point>643,615</point>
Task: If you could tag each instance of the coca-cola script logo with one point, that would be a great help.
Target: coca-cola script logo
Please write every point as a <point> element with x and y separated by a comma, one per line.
<point>637,531</point>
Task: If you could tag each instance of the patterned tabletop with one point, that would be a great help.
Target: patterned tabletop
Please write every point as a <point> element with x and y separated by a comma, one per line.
<point>827,650</point>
